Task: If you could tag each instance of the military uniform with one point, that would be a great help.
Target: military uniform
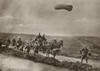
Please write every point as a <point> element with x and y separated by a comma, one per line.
<point>84,52</point>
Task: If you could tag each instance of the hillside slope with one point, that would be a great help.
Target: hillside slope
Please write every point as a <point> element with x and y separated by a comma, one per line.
<point>72,44</point>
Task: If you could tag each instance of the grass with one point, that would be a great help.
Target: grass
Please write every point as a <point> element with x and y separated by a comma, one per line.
<point>76,66</point>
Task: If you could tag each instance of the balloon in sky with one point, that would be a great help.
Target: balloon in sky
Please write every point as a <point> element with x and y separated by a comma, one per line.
<point>64,7</point>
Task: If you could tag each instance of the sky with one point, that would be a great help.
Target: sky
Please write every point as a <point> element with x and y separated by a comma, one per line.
<point>34,16</point>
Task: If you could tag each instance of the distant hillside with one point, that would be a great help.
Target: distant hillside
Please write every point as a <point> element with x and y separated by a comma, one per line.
<point>71,45</point>
<point>93,41</point>
<point>15,35</point>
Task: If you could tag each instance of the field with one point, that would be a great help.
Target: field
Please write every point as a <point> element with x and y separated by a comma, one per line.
<point>72,44</point>
<point>71,49</point>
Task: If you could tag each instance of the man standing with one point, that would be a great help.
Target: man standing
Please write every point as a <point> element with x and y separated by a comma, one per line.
<point>84,52</point>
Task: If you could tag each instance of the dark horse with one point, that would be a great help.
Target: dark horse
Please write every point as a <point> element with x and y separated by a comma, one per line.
<point>54,48</point>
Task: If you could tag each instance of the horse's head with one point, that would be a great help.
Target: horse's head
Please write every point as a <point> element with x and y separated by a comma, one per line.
<point>60,43</point>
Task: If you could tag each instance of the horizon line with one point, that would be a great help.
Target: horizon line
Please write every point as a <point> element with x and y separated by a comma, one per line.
<point>48,34</point>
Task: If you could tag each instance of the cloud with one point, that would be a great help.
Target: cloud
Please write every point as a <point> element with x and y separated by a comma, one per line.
<point>33,16</point>
<point>4,5</point>
<point>6,17</point>
<point>20,25</point>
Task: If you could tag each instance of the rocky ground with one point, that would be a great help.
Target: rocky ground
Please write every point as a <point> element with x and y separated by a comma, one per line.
<point>76,66</point>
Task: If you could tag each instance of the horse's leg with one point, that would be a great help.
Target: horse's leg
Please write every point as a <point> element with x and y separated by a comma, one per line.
<point>86,60</point>
<point>54,54</point>
<point>17,47</point>
<point>14,47</point>
<point>46,54</point>
<point>34,53</point>
<point>28,51</point>
<point>82,58</point>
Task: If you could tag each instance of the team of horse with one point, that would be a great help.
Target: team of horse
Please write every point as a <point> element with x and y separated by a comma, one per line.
<point>37,45</point>
<point>52,47</point>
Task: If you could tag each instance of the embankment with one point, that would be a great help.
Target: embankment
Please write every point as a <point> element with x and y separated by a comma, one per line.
<point>76,66</point>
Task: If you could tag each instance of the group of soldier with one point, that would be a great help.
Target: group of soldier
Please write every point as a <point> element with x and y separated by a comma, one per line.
<point>19,42</point>
<point>40,42</point>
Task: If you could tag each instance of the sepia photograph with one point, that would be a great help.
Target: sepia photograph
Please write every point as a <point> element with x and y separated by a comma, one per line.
<point>49,35</point>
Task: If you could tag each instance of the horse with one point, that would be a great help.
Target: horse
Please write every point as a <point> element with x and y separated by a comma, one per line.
<point>54,48</point>
<point>55,52</point>
<point>60,44</point>
<point>47,49</point>
<point>36,48</point>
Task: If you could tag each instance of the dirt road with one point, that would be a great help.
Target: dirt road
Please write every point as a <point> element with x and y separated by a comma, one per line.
<point>94,63</point>
<point>17,64</point>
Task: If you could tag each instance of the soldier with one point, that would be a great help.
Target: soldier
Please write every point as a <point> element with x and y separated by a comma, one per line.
<point>19,43</point>
<point>36,48</point>
<point>0,43</point>
<point>84,52</point>
<point>43,41</point>
<point>39,36</point>
<point>43,37</point>
<point>28,47</point>
<point>14,42</point>
<point>7,42</point>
